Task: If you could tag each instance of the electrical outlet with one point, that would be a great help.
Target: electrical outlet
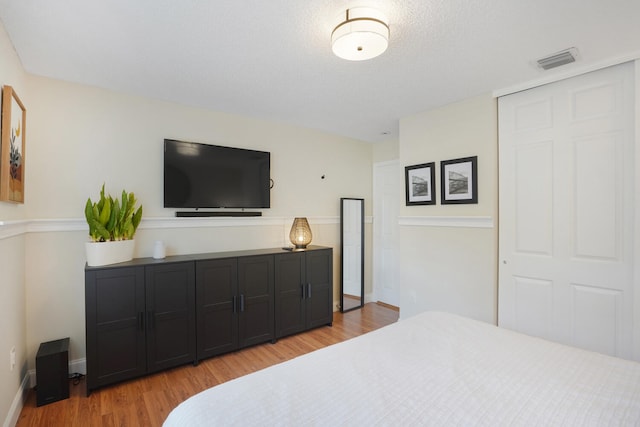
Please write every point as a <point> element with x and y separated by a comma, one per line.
<point>12,358</point>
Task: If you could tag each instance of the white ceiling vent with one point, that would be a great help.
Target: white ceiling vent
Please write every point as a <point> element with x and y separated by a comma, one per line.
<point>557,59</point>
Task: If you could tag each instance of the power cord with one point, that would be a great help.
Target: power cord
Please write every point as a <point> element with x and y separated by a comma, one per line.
<point>76,377</point>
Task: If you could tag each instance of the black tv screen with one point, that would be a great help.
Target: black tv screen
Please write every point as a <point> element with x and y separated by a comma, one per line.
<point>210,176</point>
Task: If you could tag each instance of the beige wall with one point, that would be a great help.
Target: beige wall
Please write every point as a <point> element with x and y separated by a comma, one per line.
<point>448,252</point>
<point>83,136</point>
<point>13,322</point>
<point>384,151</point>
<point>79,137</point>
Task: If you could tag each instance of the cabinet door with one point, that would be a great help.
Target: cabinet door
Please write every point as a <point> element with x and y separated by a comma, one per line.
<point>170,304</point>
<point>289,293</point>
<point>114,304</point>
<point>255,298</point>
<point>216,317</point>
<point>319,279</point>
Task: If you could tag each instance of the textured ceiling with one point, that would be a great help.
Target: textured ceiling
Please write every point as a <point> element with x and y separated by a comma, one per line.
<point>273,60</point>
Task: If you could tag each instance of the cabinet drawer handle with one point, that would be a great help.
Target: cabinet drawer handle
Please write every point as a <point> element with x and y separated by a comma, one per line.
<point>234,303</point>
<point>302,290</point>
<point>308,290</point>
<point>241,303</point>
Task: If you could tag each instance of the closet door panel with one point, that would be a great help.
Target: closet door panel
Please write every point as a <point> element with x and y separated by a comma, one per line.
<point>567,199</point>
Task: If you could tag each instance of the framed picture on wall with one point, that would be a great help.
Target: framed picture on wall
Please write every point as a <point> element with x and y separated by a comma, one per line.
<point>12,147</point>
<point>459,181</point>
<point>420,184</point>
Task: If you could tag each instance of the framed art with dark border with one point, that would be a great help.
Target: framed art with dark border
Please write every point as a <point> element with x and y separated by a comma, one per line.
<point>420,184</point>
<point>459,181</point>
<point>12,147</point>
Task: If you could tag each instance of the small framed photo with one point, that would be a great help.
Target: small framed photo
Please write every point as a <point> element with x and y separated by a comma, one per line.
<point>420,184</point>
<point>459,181</point>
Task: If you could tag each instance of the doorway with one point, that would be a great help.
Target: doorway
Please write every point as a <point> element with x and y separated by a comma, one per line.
<point>386,199</point>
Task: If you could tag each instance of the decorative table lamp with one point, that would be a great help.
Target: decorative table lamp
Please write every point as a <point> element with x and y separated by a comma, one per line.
<point>300,234</point>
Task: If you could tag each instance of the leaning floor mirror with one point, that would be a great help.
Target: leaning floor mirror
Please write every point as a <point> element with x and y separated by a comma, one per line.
<point>352,252</point>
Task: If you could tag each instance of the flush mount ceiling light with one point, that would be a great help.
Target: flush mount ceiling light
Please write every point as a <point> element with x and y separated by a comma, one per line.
<point>363,33</point>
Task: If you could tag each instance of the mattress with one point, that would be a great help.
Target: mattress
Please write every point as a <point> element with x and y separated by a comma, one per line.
<point>435,369</point>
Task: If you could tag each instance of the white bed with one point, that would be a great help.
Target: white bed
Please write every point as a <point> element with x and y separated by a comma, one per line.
<point>431,369</point>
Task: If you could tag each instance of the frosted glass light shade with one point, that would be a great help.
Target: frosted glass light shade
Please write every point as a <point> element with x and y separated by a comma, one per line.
<point>300,234</point>
<point>363,34</point>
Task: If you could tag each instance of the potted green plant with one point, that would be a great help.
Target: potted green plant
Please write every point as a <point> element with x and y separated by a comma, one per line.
<point>112,226</point>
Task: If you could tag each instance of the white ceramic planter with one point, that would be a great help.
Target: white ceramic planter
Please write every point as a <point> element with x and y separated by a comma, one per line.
<point>105,253</point>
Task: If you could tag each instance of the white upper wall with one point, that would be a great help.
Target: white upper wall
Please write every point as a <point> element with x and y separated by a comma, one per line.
<point>80,137</point>
<point>384,151</point>
<point>463,129</point>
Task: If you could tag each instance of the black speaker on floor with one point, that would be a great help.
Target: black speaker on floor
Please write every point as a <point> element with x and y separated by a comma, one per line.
<point>52,371</point>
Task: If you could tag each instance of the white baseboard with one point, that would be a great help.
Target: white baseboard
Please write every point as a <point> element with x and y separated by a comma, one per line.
<point>78,366</point>
<point>28,382</point>
<point>17,404</point>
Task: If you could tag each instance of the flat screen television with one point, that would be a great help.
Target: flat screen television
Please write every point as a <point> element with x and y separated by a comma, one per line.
<point>211,176</point>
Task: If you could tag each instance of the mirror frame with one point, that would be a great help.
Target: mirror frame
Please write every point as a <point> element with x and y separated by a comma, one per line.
<point>342,260</point>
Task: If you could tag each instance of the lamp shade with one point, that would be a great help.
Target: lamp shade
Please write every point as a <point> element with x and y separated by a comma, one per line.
<point>363,33</point>
<point>300,234</point>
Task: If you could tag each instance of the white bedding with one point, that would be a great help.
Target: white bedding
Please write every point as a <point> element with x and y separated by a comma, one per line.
<point>431,369</point>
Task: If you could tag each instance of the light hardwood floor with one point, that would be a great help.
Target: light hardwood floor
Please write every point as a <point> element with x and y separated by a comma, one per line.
<point>147,401</point>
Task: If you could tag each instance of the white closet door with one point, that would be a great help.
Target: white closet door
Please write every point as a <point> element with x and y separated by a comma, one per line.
<point>567,211</point>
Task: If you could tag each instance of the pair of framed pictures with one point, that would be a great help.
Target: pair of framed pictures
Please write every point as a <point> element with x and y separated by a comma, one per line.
<point>458,182</point>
